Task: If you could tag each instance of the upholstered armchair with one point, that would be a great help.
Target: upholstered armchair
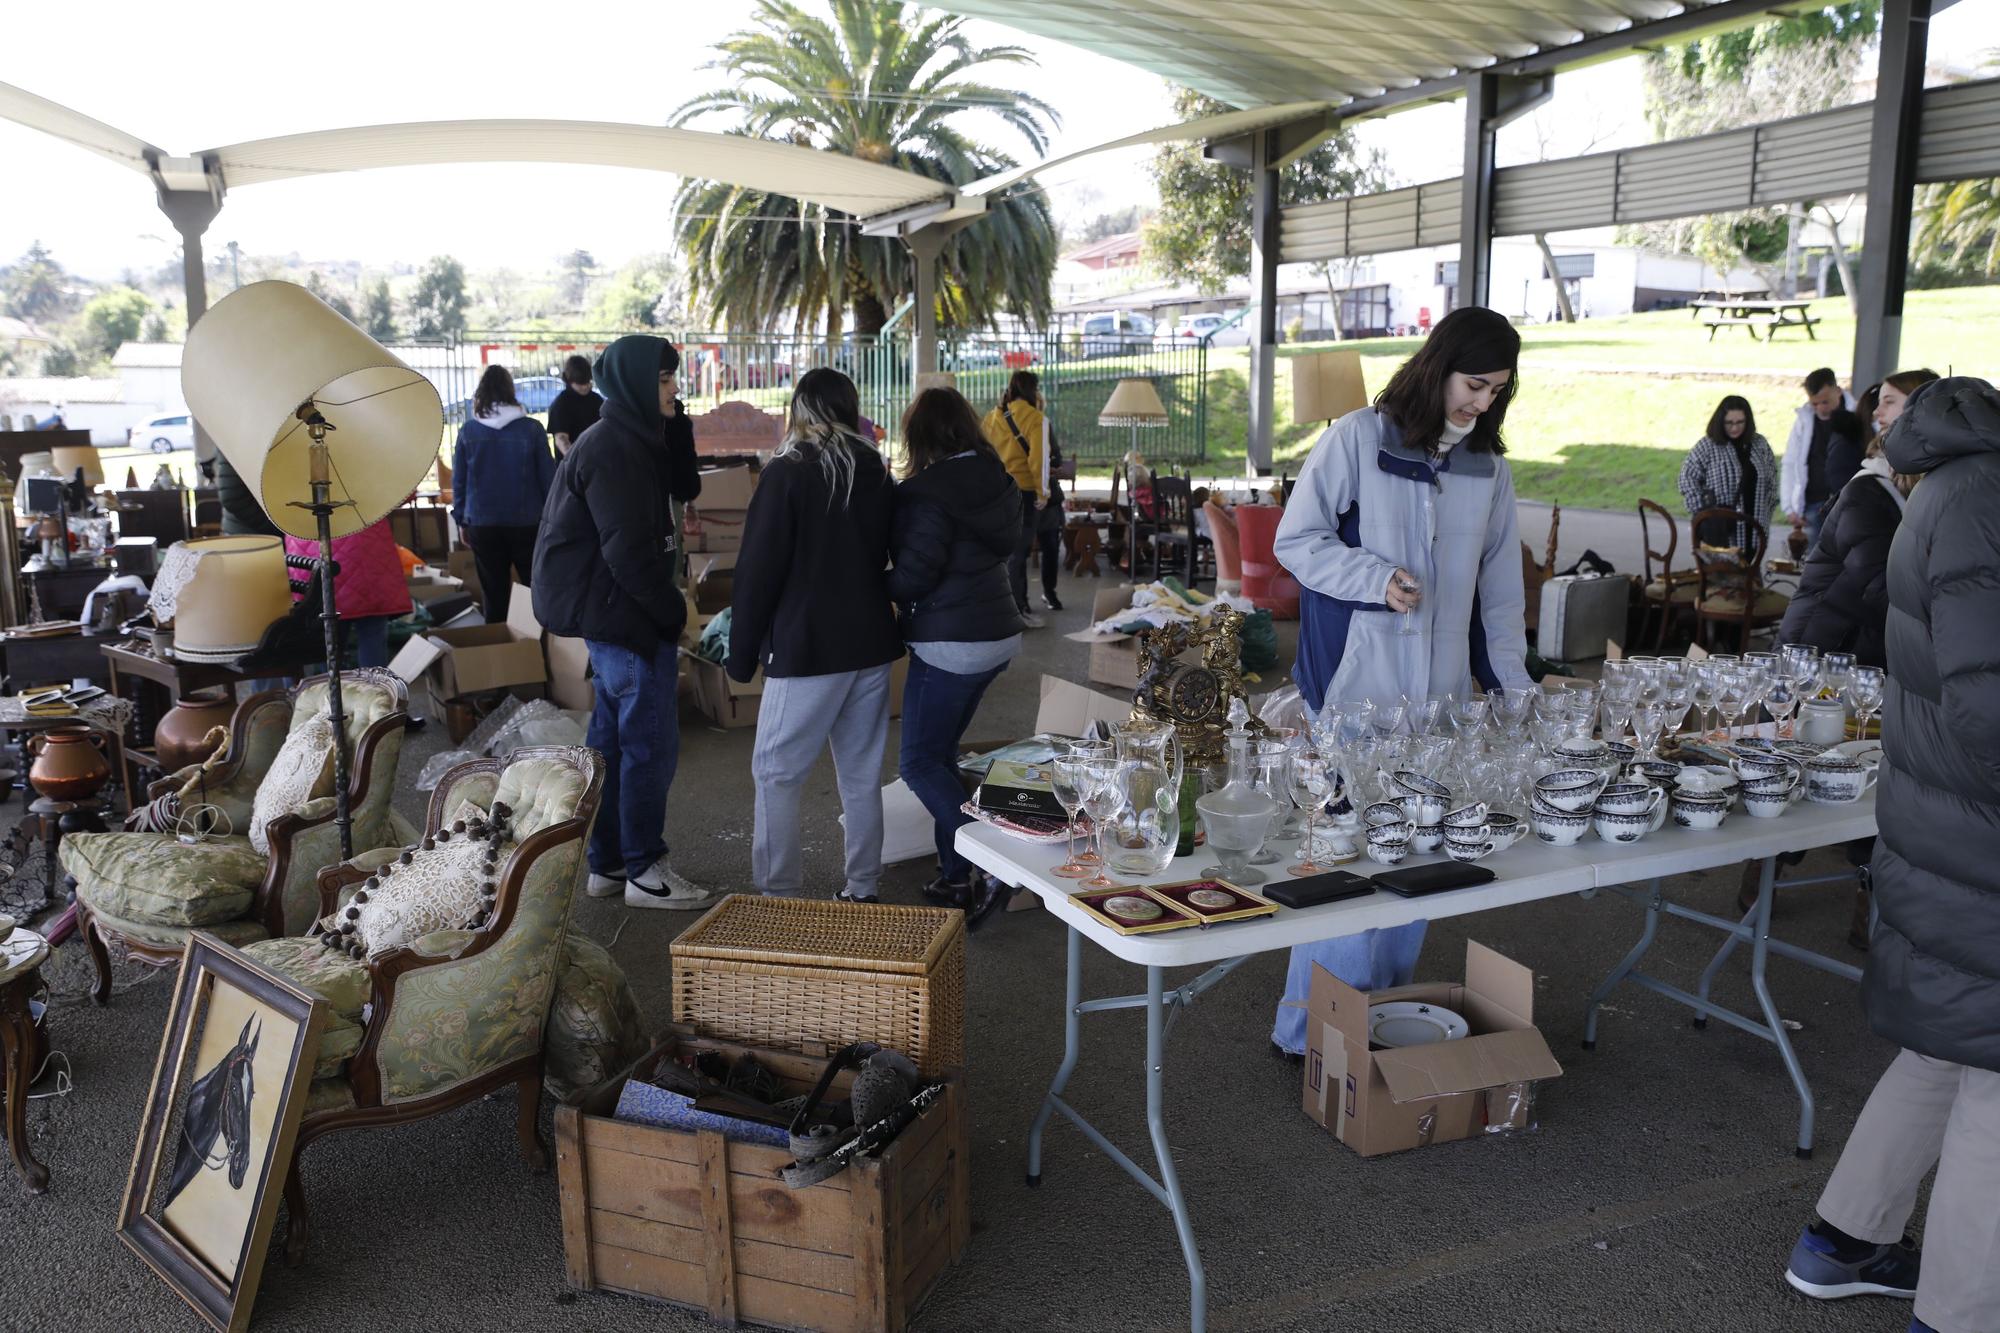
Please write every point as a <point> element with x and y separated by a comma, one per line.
<point>425,1028</point>
<point>141,894</point>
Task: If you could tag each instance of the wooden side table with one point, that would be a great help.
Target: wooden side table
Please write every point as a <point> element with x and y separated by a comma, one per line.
<point>21,955</point>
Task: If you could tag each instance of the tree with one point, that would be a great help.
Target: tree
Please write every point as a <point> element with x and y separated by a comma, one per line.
<point>751,257</point>
<point>648,293</point>
<point>378,315</point>
<point>1772,71</point>
<point>1202,232</point>
<point>578,268</point>
<point>316,284</point>
<point>113,318</point>
<point>36,287</point>
<point>439,305</point>
<point>1958,226</point>
<point>1104,226</point>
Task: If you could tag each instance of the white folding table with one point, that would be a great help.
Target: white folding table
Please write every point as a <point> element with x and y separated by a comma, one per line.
<point>1527,872</point>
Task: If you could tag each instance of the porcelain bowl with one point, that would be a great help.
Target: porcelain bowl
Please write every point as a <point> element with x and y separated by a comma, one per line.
<point>1614,827</point>
<point>1559,828</point>
<point>1701,813</point>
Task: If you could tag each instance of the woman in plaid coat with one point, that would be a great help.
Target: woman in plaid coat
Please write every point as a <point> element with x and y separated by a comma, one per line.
<point>1730,467</point>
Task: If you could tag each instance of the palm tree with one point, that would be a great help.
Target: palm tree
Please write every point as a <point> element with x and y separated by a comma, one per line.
<point>884,83</point>
<point>1959,222</point>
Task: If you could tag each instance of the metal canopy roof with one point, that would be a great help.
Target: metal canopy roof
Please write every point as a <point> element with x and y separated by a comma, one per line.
<point>833,180</point>
<point>1256,53</point>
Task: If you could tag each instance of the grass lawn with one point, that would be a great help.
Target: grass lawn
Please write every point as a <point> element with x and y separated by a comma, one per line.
<point>1608,407</point>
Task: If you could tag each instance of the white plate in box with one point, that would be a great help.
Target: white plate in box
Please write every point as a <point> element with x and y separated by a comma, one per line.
<point>1400,1023</point>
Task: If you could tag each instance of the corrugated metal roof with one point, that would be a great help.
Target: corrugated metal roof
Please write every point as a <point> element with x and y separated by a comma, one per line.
<point>1259,53</point>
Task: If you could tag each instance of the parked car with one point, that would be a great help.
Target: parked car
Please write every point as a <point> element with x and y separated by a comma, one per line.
<point>1118,332</point>
<point>163,435</point>
<point>536,392</point>
<point>1228,329</point>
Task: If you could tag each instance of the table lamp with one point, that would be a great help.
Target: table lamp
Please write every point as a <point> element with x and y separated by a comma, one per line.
<point>1326,386</point>
<point>933,379</point>
<point>68,458</point>
<point>221,594</point>
<point>1133,403</point>
<point>327,428</point>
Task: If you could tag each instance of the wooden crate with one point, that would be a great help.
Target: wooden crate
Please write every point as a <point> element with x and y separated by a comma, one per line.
<point>700,1221</point>
<point>804,975</point>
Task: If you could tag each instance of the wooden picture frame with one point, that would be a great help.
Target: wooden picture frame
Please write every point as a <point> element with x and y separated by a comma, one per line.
<point>201,1223</point>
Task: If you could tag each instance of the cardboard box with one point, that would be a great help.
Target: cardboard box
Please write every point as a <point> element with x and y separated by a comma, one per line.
<point>461,566</point>
<point>1114,658</point>
<point>458,662</point>
<point>1388,1100</point>
<point>569,672</point>
<point>726,488</point>
<point>712,580</point>
<point>721,700</point>
<point>713,530</point>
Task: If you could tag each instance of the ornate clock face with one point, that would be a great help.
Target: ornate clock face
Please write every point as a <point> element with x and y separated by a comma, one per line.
<point>1193,695</point>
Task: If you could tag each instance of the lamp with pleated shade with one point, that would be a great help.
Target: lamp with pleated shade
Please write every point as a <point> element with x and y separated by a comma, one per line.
<point>68,458</point>
<point>327,428</point>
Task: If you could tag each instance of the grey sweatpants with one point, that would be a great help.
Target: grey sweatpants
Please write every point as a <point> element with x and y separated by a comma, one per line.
<point>1928,1113</point>
<point>799,717</point>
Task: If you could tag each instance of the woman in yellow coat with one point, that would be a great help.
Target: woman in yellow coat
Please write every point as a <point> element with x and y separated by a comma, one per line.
<point>1019,431</point>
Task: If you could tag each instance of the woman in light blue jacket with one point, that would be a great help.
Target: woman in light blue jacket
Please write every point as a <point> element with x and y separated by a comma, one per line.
<point>1402,535</point>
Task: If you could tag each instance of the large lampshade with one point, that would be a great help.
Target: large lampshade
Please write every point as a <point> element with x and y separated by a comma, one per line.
<point>1134,403</point>
<point>221,594</point>
<point>934,379</point>
<point>1327,386</point>
<point>265,349</point>
<point>68,458</point>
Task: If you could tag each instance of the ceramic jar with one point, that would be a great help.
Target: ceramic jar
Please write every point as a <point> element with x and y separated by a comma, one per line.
<point>70,763</point>
<point>181,738</point>
<point>1822,722</point>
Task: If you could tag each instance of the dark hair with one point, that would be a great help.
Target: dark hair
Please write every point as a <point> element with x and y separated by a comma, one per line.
<point>1907,382</point>
<point>1415,396</point>
<point>1023,384</point>
<point>1823,378</point>
<point>496,386</point>
<point>670,358</point>
<point>1735,402</point>
<point>576,370</point>
<point>938,424</point>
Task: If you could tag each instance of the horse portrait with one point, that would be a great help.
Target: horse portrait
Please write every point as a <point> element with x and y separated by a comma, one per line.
<point>218,1107</point>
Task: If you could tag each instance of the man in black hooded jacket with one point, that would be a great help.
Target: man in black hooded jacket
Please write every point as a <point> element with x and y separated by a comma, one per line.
<point>1933,979</point>
<point>605,565</point>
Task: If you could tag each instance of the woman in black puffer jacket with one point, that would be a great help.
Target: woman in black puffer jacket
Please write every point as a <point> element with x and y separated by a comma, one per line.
<point>1932,984</point>
<point>958,518</point>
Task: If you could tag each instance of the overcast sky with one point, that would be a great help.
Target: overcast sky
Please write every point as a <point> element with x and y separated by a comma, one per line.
<point>189,76</point>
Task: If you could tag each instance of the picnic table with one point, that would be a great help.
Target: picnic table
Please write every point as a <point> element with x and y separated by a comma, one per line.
<point>1753,312</point>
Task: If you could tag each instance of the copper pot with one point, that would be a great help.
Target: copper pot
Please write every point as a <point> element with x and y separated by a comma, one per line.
<point>70,763</point>
<point>181,738</point>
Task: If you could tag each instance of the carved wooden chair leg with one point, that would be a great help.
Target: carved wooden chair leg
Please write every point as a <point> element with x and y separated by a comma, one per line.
<point>532,1148</point>
<point>100,956</point>
<point>297,1230</point>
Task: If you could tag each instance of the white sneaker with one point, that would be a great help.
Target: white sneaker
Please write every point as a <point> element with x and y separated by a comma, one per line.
<point>659,886</point>
<point>1029,620</point>
<point>605,886</point>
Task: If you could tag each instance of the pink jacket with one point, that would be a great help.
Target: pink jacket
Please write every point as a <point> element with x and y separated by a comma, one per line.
<point>370,582</point>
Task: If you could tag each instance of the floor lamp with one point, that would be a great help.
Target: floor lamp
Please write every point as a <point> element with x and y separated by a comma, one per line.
<point>328,429</point>
<point>1134,403</point>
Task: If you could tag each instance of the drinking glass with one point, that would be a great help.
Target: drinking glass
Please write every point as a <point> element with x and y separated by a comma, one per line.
<point>1800,664</point>
<point>1617,715</point>
<point>1357,720</point>
<point>1732,695</point>
<point>1706,677</point>
<point>1468,715</point>
<point>1864,695</point>
<point>1309,783</point>
<point>1067,783</point>
<point>1510,708</point>
<point>1649,718</point>
<point>1268,766</point>
<point>1781,702</point>
<point>1425,715</point>
<point>1833,669</point>
<point>1104,797</point>
<point>1389,714</point>
<point>1406,622</point>
<point>1084,751</point>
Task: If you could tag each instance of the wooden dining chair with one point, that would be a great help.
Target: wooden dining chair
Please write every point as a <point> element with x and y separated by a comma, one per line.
<point>1669,595</point>
<point>1729,588</point>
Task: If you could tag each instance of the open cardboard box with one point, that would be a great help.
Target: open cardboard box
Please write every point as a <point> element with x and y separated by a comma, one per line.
<point>458,662</point>
<point>1114,658</point>
<point>727,488</point>
<point>1386,1101</point>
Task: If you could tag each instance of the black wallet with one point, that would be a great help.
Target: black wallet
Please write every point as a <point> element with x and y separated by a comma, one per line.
<point>1416,881</point>
<point>1314,890</point>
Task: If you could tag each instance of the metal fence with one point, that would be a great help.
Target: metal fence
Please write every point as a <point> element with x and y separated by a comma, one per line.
<point>1078,373</point>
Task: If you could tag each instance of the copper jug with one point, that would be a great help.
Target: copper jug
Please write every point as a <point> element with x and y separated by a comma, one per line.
<point>183,736</point>
<point>70,763</point>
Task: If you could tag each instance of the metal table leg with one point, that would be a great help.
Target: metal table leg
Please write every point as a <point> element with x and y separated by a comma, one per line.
<point>1625,968</point>
<point>1072,1031</point>
<point>1156,1123</point>
<point>1760,952</point>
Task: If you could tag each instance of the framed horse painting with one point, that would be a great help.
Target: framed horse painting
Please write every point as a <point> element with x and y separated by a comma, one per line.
<point>228,1090</point>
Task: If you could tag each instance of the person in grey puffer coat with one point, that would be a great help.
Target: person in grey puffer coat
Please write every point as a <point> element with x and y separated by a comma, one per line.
<point>1933,978</point>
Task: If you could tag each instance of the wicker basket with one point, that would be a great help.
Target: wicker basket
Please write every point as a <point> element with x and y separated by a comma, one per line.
<point>808,976</point>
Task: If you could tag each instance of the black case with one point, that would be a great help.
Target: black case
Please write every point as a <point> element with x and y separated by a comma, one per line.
<point>1416,881</point>
<point>1315,890</point>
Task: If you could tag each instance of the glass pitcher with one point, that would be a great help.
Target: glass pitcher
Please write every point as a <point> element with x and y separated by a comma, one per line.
<point>1155,749</point>
<point>1141,838</point>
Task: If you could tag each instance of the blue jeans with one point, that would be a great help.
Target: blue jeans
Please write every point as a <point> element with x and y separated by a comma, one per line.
<point>1815,515</point>
<point>1372,960</point>
<point>635,725</point>
<point>937,708</point>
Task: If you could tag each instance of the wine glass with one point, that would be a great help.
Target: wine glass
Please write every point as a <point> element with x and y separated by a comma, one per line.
<point>1510,708</point>
<point>1083,751</point>
<point>1068,784</point>
<point>1863,692</point>
<point>1732,695</point>
<point>1269,767</point>
<point>1425,715</point>
<point>1616,710</point>
<point>1649,718</point>
<point>1389,714</point>
<point>1103,798</point>
<point>1357,720</point>
<point>1309,782</point>
<point>1468,715</point>
<point>1707,677</point>
<point>1833,670</point>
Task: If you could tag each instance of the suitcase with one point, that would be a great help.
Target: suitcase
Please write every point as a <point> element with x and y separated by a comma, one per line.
<point>1580,613</point>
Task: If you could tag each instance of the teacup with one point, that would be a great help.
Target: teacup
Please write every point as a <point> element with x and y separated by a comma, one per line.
<point>1835,779</point>
<point>1424,809</point>
<point>1659,772</point>
<point>1783,784</point>
<point>1581,750</point>
<point>1559,828</point>
<point>1389,834</point>
<point>1765,804</point>
<point>1384,812</point>
<point>1759,764</point>
<point>1630,798</point>
<point>1470,851</point>
<point>1465,816</point>
<point>1621,752</point>
<point>1506,829</point>
<point>1571,790</point>
<point>1467,833</point>
<point>1427,838</point>
<point>1614,827</point>
<point>1417,784</point>
<point>1388,853</point>
<point>1700,812</point>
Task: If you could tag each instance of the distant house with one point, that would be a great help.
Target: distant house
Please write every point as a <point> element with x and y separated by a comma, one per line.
<point>1120,251</point>
<point>95,405</point>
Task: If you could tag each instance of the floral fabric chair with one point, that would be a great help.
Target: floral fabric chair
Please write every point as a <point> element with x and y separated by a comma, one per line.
<point>141,894</point>
<point>459,1013</point>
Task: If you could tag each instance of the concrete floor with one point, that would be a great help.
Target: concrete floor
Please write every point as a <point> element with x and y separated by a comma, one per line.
<point>1660,1191</point>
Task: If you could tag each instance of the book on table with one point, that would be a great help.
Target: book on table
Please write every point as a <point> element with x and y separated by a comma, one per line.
<point>1020,789</point>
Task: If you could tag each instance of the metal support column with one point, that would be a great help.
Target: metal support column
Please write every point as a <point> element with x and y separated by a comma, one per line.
<point>925,245</point>
<point>1892,182</point>
<point>1264,220</point>
<point>191,211</point>
<point>1491,101</point>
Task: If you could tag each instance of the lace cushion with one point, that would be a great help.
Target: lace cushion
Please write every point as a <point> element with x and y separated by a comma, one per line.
<point>446,882</point>
<point>302,770</point>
